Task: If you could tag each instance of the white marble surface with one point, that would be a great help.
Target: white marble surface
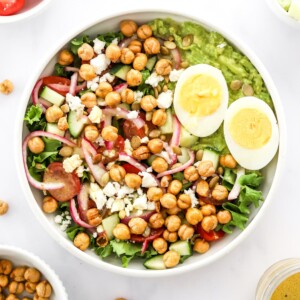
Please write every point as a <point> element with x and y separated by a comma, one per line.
<point>235,276</point>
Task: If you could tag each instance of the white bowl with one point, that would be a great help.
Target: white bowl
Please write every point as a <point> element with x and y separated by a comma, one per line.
<point>20,257</point>
<point>220,248</point>
<point>31,8</point>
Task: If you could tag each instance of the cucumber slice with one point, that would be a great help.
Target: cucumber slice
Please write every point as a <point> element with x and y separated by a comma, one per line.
<point>212,156</point>
<point>187,139</point>
<point>182,247</point>
<point>155,263</point>
<point>168,127</point>
<point>151,63</point>
<point>75,126</point>
<point>184,157</point>
<point>53,128</point>
<point>52,96</point>
<point>109,224</point>
<point>120,71</point>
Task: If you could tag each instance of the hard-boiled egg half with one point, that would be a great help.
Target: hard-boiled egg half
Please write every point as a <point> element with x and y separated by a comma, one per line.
<point>201,99</point>
<point>251,132</point>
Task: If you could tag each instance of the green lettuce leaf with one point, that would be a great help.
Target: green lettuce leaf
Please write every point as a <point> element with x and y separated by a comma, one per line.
<point>252,179</point>
<point>110,36</point>
<point>34,118</point>
<point>247,197</point>
<point>77,43</point>
<point>104,251</point>
<point>59,70</point>
<point>73,231</point>
<point>51,145</point>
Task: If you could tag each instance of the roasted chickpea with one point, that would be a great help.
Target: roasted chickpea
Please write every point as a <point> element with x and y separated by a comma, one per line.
<point>85,52</point>
<point>137,225</point>
<point>91,132</point>
<point>3,281</point>
<point>65,58</point>
<point>121,232</point>
<point>154,193</point>
<point>65,108</point>
<point>6,87</point>
<point>208,209</point>
<point>202,188</point>
<point>87,72</point>
<point>113,52</point>
<point>165,181</point>
<point>30,287</point>
<point>228,161</point>
<point>50,205</point>
<point>159,165</point>
<point>66,151</point>
<point>174,187</point>
<point>172,223</point>
<point>62,124</point>
<point>82,241</point>
<point>89,100</point>
<point>11,297</point>
<point>135,46</point>
<point>170,236</point>
<point>44,289</point>
<point>159,117</point>
<point>160,245</point>
<point>134,77</point>
<point>219,192</point>
<point>201,246</point>
<point>209,223</point>
<point>163,67</point>
<point>16,287</point>
<point>53,114</point>
<point>140,61</point>
<point>134,181</point>
<point>127,96</point>
<point>191,174</point>
<point>184,201</point>
<point>144,32</point>
<point>155,145</point>
<point>36,145</point>
<point>206,169</point>
<point>193,215</point>
<point>113,98</point>
<point>128,28</point>
<point>103,89</point>
<point>127,56</point>
<point>109,133</point>
<point>93,217</point>
<point>152,46</point>
<point>185,232</point>
<point>117,173</point>
<point>168,200</point>
<point>5,267</point>
<point>224,216</point>
<point>174,210</point>
<point>171,259</point>
<point>148,103</point>
<point>156,221</point>
<point>141,153</point>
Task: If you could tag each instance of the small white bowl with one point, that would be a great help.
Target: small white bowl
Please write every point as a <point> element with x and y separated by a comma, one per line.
<point>20,257</point>
<point>31,8</point>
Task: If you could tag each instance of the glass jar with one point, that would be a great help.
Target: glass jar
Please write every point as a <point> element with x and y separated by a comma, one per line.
<point>274,275</point>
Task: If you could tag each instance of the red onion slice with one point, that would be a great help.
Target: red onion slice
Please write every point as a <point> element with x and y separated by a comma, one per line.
<point>125,42</point>
<point>107,121</point>
<point>120,87</point>
<point>71,69</point>
<point>75,216</point>
<point>146,216</point>
<point>172,155</point>
<point>65,88</point>
<point>45,103</point>
<point>35,95</point>
<point>73,84</point>
<point>176,58</point>
<point>83,199</point>
<point>109,145</point>
<point>234,193</point>
<point>175,138</point>
<point>125,157</point>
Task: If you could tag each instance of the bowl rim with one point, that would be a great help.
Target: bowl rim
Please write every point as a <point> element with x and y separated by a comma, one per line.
<point>98,262</point>
<point>38,263</point>
<point>26,14</point>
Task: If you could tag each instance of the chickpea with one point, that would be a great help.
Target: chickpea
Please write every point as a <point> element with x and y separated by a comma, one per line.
<point>85,52</point>
<point>5,267</point>
<point>121,232</point>
<point>219,192</point>
<point>134,181</point>
<point>159,165</point>
<point>201,246</point>
<point>202,188</point>
<point>135,46</point>
<point>65,58</point>
<point>134,77</point>
<point>155,146</point>
<point>109,133</point>
<point>185,232</point>
<point>144,32</point>
<point>18,274</point>
<point>152,46</point>
<point>91,133</point>
<point>191,174</point>
<point>228,161</point>
<point>3,281</point>
<point>154,193</point>
<point>117,173</point>
<point>87,72</point>
<point>6,87</point>
<point>89,100</point>
<point>174,210</point>
<point>127,96</point>
<point>163,67</point>
<point>160,245</point>
<point>165,181</point>
<point>50,205</point>
<point>44,289</point>
<point>184,201</point>
<point>208,209</point>
<point>36,145</point>
<point>170,236</point>
<point>141,153</point>
<point>193,215</point>
<point>103,89</point>
<point>174,187</point>
<point>113,52</point>
<point>16,287</point>
<point>137,225</point>
<point>11,297</point>
<point>171,259</point>
<point>93,217</point>
<point>128,28</point>
<point>168,200</point>
<point>148,103</point>
<point>206,169</point>
<point>224,216</point>
<point>209,223</point>
<point>140,61</point>
<point>159,117</point>
<point>172,223</point>
<point>66,151</point>
<point>53,114</point>
<point>63,124</point>
<point>156,221</point>
<point>113,98</point>
<point>82,241</point>
<point>127,56</point>
<point>30,287</point>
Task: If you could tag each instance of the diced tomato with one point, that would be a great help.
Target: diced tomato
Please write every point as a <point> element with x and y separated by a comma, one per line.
<point>211,235</point>
<point>10,7</point>
<point>56,173</point>
<point>130,168</point>
<point>130,130</point>
<point>119,144</point>
<point>56,80</point>
<point>150,125</point>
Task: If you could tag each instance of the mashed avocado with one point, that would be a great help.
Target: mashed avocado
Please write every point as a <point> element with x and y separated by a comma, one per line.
<point>211,48</point>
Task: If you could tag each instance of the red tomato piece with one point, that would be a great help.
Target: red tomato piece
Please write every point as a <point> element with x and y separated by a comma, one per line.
<point>130,168</point>
<point>57,80</point>
<point>130,130</point>
<point>211,235</point>
<point>10,7</point>
<point>119,144</point>
<point>56,173</point>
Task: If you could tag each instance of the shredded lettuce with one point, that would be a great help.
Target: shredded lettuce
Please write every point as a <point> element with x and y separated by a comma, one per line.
<point>35,119</point>
<point>59,70</point>
<point>252,179</point>
<point>110,36</point>
<point>104,251</point>
<point>78,42</point>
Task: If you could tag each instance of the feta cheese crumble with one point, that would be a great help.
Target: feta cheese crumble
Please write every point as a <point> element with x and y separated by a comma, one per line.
<point>127,147</point>
<point>100,63</point>
<point>194,199</point>
<point>72,163</point>
<point>64,220</point>
<point>74,102</point>
<point>165,99</point>
<point>133,114</point>
<point>107,77</point>
<point>80,170</point>
<point>115,41</point>
<point>97,195</point>
<point>165,156</point>
<point>138,95</point>
<point>175,74</point>
<point>95,115</point>
<point>98,46</point>
<point>144,140</point>
<point>140,202</point>
<point>93,84</point>
<point>154,79</point>
<point>147,180</point>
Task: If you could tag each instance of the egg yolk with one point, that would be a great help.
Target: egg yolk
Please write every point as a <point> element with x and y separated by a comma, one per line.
<point>200,95</point>
<point>250,128</point>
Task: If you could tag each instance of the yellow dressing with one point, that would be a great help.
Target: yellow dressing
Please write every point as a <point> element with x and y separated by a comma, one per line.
<point>250,128</point>
<point>288,289</point>
<point>200,95</point>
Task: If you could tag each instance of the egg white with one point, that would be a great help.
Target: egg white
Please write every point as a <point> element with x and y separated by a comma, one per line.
<point>252,159</point>
<point>201,126</point>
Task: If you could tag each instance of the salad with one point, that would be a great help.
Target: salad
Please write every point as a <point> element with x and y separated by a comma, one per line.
<point>148,142</point>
